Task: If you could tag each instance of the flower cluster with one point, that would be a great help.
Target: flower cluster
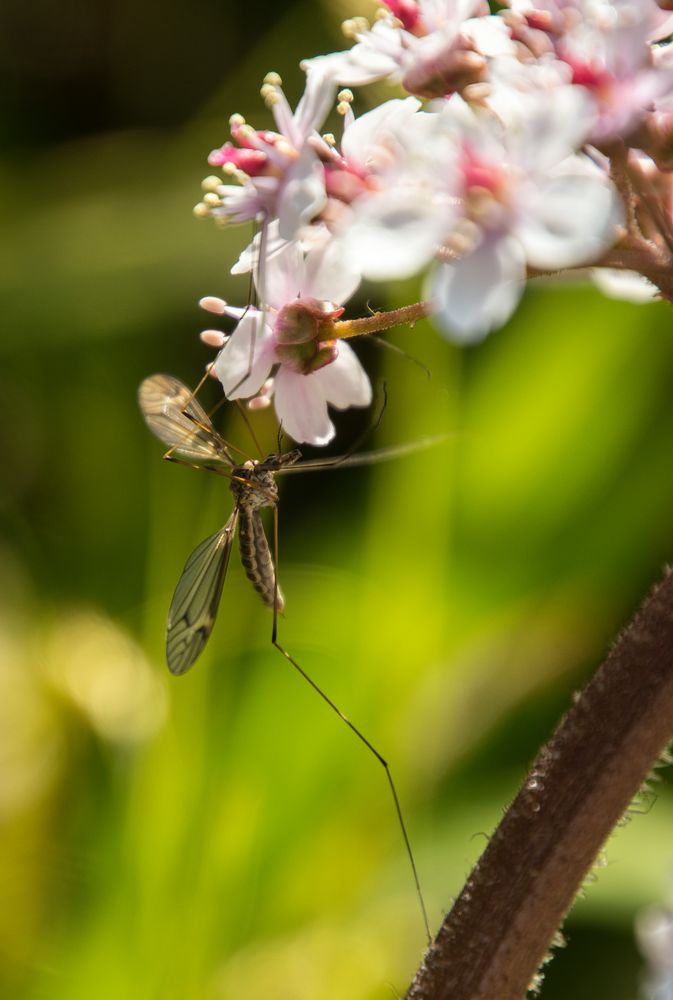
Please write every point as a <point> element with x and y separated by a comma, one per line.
<point>527,141</point>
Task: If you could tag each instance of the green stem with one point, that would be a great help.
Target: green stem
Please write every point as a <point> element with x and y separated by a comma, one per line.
<point>379,321</point>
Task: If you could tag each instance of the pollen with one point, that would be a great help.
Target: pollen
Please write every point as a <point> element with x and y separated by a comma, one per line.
<point>236,121</point>
<point>269,96</point>
<point>213,304</point>
<point>355,26</point>
<point>211,200</point>
<point>201,211</point>
<point>210,183</point>
<point>345,95</point>
<point>273,80</point>
<point>285,148</point>
<point>329,138</point>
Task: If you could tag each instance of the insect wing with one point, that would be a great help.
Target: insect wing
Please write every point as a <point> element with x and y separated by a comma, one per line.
<point>193,609</point>
<point>178,419</point>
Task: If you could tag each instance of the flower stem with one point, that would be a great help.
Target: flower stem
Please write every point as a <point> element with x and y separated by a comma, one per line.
<point>379,321</point>
<point>503,923</point>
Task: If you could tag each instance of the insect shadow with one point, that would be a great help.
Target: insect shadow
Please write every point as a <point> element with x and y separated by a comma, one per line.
<point>179,421</point>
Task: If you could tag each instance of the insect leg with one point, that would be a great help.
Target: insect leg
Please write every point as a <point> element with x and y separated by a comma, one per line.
<point>363,739</point>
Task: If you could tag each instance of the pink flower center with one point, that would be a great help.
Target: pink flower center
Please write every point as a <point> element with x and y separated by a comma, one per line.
<point>247,155</point>
<point>409,13</point>
<point>590,75</point>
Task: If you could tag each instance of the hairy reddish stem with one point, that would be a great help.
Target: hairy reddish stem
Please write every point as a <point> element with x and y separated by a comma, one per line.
<point>501,926</point>
<point>379,321</point>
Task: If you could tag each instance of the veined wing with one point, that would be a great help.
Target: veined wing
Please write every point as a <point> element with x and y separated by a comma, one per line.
<point>178,419</point>
<point>366,457</point>
<point>193,609</point>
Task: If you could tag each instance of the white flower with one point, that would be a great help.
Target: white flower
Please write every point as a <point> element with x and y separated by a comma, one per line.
<point>279,173</point>
<point>527,200</point>
<point>395,222</point>
<point>308,372</point>
<point>606,46</point>
<point>428,45</point>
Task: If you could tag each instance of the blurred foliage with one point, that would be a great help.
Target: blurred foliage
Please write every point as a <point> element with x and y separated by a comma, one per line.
<point>220,836</point>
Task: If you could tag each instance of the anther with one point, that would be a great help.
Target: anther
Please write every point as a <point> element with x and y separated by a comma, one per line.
<point>355,26</point>
<point>213,304</point>
<point>201,211</point>
<point>213,338</point>
<point>210,183</point>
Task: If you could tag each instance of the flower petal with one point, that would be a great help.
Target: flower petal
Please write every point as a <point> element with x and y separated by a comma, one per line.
<point>394,234</point>
<point>570,219</point>
<point>282,276</point>
<point>329,275</point>
<point>315,104</point>
<point>232,366</point>
<point>302,408</point>
<point>344,382</point>
<point>480,292</point>
<point>303,194</point>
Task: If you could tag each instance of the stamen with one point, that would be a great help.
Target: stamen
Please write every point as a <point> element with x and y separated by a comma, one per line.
<point>201,211</point>
<point>355,26</point>
<point>213,304</point>
<point>259,403</point>
<point>285,149</point>
<point>210,183</point>
<point>213,338</point>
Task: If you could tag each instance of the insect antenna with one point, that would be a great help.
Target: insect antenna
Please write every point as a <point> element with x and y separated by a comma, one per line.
<point>363,739</point>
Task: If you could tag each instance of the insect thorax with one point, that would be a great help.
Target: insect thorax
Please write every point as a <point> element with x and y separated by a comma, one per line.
<point>254,486</point>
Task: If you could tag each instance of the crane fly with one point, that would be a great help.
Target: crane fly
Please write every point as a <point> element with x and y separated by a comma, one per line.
<point>179,421</point>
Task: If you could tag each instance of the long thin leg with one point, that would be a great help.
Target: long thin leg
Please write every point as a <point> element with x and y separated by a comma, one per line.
<point>363,739</point>
<point>261,294</point>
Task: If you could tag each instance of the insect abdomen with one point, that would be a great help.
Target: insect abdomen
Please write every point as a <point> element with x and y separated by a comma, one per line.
<point>256,557</point>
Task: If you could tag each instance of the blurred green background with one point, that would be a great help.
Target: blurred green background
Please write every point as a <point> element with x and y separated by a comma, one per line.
<point>221,835</point>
